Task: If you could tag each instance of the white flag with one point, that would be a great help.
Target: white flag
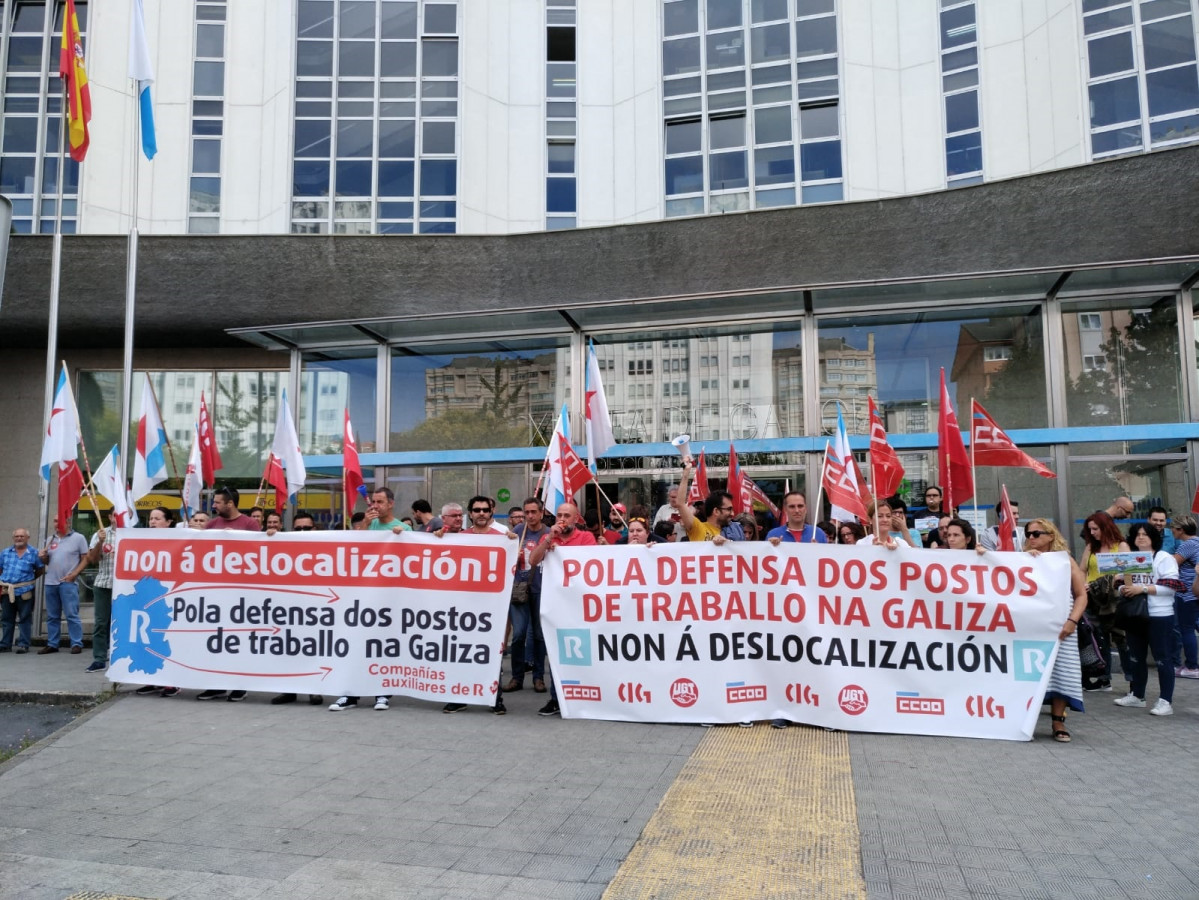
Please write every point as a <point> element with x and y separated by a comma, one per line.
<point>109,484</point>
<point>600,438</point>
<point>150,453</point>
<point>286,446</point>
<point>193,481</point>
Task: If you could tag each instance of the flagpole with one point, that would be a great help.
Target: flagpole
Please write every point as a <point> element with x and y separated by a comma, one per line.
<point>973,474</point>
<point>819,493</point>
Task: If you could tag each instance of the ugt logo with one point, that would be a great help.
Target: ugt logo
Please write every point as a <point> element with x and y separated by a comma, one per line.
<point>574,646</point>
<point>1031,659</point>
<point>853,700</point>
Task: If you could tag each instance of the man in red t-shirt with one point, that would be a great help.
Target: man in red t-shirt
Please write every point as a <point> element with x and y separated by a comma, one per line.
<point>564,533</point>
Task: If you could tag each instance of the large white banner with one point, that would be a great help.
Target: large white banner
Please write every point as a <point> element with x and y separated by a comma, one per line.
<point>860,638</point>
<point>358,613</point>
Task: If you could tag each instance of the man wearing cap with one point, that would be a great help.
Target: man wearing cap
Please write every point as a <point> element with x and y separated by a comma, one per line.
<point>616,518</point>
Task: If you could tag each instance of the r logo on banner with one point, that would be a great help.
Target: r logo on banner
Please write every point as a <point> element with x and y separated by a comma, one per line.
<point>1031,658</point>
<point>574,646</point>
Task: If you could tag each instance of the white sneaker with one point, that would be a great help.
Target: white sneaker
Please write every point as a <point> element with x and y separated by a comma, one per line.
<point>343,703</point>
<point>1131,700</point>
<point>381,703</point>
<point>1162,708</point>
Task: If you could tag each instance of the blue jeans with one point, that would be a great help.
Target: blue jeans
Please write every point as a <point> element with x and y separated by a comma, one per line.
<point>525,616</point>
<point>1186,611</point>
<point>20,614</point>
<point>63,600</point>
<point>1155,634</point>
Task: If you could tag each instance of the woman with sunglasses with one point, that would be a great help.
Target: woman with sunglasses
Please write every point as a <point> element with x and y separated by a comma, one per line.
<point>638,532</point>
<point>1156,631</point>
<point>1065,681</point>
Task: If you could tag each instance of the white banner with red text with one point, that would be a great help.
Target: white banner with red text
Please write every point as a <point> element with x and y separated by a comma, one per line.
<point>341,613</point>
<point>937,642</point>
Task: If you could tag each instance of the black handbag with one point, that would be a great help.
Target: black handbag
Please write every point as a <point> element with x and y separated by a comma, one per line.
<point>1093,668</point>
<point>1132,609</point>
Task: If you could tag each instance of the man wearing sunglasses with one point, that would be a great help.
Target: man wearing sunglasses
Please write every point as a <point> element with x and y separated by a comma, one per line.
<point>482,512</point>
<point>718,509</point>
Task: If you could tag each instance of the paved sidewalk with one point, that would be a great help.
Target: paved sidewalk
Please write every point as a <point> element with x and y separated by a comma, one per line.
<point>170,798</point>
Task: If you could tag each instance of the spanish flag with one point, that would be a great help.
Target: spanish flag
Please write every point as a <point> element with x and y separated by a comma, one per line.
<point>74,76</point>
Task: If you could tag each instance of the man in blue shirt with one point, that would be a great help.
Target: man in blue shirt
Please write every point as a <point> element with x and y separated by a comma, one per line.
<point>796,530</point>
<point>1157,518</point>
<point>19,568</point>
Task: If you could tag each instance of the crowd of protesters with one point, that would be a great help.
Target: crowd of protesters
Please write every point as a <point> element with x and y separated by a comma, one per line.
<point>1164,625</point>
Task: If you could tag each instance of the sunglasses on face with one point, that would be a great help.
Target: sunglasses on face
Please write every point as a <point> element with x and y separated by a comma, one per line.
<point>1035,534</point>
<point>479,509</point>
<point>304,528</point>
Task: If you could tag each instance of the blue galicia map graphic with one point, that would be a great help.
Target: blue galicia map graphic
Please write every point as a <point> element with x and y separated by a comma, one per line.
<point>134,624</point>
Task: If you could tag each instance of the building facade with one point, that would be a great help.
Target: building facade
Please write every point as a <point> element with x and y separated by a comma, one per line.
<point>761,212</point>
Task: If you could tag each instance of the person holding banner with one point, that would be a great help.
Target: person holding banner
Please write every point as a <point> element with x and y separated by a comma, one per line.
<point>879,512</point>
<point>228,516</point>
<point>1156,628</point>
<point>1065,681</point>
<point>563,533</point>
<point>959,535</point>
<point>100,554</point>
<point>160,517</point>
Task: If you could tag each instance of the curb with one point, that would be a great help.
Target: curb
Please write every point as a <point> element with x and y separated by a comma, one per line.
<point>54,698</point>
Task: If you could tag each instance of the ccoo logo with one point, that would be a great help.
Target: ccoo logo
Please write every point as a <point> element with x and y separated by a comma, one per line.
<point>853,700</point>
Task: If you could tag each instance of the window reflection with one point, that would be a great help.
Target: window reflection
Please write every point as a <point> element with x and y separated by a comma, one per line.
<point>328,387</point>
<point>995,358</point>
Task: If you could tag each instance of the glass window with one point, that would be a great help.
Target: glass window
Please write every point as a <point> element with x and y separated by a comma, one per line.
<point>963,154</point>
<point>684,175</point>
<point>820,160</point>
<point>1168,43</point>
<point>210,40</point>
<point>209,79</point>
<point>723,13</point>
<point>726,132</point>
<point>463,397</point>
<point>1138,380</point>
<point>957,26</point>
<point>438,177</point>
<point>902,356</point>
<point>1110,54</point>
<point>727,171</point>
<point>398,20</point>
<point>813,7</point>
<point>310,179</point>
<point>355,137</point>
<point>815,37</point>
<point>438,137</point>
<point>206,156</point>
<point>770,43</point>
<point>560,195</point>
<point>772,125</point>
<point>330,383</point>
<point>1172,90</point>
<point>680,17</point>
<point>244,411</point>
<point>679,57</point>
<point>315,19</point>
<point>774,165</point>
<point>314,58</point>
<point>396,179</point>
<point>439,58</point>
<point>1114,101</point>
<point>397,59</point>
<point>561,158</point>
<point>726,49</point>
<point>441,18</point>
<point>961,112</point>
<point>353,178</point>
<point>818,122</point>
<point>683,137</point>
<point>768,10</point>
<point>357,18</point>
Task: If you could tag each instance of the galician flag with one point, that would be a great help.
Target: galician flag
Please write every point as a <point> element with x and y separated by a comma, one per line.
<point>109,482</point>
<point>286,446</point>
<point>141,71</point>
<point>150,454</point>
<point>61,447</point>
<point>555,486</point>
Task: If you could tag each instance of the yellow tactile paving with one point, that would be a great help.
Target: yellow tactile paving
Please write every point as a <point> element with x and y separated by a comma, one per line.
<point>756,812</point>
<point>101,895</point>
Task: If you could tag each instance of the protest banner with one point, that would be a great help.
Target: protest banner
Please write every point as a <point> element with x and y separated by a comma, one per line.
<point>350,613</point>
<point>937,642</point>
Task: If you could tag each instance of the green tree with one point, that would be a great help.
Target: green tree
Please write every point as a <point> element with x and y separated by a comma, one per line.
<point>462,429</point>
<point>240,419</point>
<point>502,392</point>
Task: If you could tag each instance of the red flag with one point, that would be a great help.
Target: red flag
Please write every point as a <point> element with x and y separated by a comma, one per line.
<point>756,493</point>
<point>70,489</point>
<point>839,486</point>
<point>354,485</point>
<point>886,471</point>
<point>210,456</point>
<point>1006,522</point>
<point>1195,502</point>
<point>957,481</point>
<point>575,473</point>
<point>275,478</point>
<point>992,446</point>
<point>736,483</point>
<point>698,492</point>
